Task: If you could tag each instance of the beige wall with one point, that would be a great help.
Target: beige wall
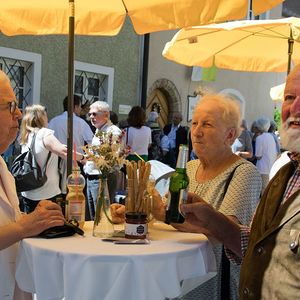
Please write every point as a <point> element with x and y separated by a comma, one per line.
<point>254,87</point>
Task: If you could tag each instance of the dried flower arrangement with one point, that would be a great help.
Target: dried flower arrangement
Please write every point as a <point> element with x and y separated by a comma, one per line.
<point>109,155</point>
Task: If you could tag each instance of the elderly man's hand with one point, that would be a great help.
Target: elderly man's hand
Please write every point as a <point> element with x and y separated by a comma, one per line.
<point>117,213</point>
<point>198,215</point>
<point>47,214</point>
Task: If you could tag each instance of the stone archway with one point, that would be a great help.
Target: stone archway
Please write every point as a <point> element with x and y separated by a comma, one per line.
<point>164,98</point>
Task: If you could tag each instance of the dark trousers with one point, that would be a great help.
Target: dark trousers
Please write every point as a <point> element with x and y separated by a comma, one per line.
<point>30,205</point>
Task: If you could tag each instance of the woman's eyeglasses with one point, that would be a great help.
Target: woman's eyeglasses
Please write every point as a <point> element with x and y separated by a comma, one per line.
<point>11,105</point>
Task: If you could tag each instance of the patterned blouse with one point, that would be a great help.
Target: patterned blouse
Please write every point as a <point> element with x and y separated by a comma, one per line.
<point>240,200</point>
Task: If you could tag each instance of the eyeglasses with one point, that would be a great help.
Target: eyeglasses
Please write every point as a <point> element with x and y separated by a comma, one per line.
<point>11,105</point>
<point>94,114</point>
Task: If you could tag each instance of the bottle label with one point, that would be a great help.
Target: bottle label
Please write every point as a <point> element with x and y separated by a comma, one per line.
<point>75,210</point>
<point>183,195</point>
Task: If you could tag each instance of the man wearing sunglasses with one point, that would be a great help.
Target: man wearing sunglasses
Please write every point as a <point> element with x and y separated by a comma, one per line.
<point>99,116</point>
<point>13,225</point>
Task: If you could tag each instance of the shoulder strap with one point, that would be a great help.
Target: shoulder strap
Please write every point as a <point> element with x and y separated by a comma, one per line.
<point>230,178</point>
<point>225,264</point>
<point>127,131</point>
<point>34,154</point>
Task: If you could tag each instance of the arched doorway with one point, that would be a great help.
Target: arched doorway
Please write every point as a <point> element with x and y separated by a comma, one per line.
<point>158,102</point>
<point>165,99</point>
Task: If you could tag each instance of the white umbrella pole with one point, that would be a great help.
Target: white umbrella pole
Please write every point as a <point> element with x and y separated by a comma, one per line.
<point>70,85</point>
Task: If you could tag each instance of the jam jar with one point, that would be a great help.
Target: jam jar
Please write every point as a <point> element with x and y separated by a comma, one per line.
<point>135,225</point>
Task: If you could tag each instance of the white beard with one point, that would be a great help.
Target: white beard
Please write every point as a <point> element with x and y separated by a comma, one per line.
<point>289,137</point>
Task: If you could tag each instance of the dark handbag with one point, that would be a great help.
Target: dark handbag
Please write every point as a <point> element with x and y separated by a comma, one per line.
<point>67,229</point>
<point>26,171</point>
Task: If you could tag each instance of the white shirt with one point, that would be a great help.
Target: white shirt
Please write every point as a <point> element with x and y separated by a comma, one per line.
<point>81,130</point>
<point>139,139</point>
<point>51,186</point>
<point>280,161</point>
<point>89,167</point>
<point>9,213</point>
<point>265,147</point>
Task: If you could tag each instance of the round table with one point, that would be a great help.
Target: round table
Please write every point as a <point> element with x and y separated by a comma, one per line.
<point>88,268</point>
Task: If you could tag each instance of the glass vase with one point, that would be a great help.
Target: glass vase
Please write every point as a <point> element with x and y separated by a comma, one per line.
<point>103,226</point>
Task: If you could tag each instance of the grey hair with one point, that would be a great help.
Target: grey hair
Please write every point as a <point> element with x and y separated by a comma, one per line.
<point>100,106</point>
<point>262,124</point>
<point>153,115</point>
<point>231,114</point>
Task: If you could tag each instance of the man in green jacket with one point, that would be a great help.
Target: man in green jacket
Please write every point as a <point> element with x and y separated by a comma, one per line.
<point>269,251</point>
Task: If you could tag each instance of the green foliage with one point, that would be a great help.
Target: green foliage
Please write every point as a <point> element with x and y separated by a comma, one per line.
<point>277,117</point>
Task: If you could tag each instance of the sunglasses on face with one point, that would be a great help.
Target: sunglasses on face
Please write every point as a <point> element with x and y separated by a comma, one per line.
<point>94,114</point>
<point>12,106</point>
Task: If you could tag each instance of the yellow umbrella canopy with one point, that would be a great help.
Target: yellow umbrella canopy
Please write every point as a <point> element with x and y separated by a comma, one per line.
<point>96,17</point>
<point>255,46</point>
<point>37,17</point>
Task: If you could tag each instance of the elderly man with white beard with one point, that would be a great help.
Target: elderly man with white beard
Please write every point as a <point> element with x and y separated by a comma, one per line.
<point>269,251</point>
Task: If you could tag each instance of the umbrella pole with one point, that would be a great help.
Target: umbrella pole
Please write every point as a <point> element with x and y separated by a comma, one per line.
<point>290,51</point>
<point>70,85</point>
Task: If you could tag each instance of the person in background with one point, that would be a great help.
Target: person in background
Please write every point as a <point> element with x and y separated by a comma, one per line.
<point>242,146</point>
<point>269,250</point>
<point>82,134</point>
<point>138,136</point>
<point>177,135</point>
<point>15,226</point>
<point>272,130</point>
<point>155,150</point>
<point>99,116</point>
<point>265,150</point>
<point>113,118</point>
<point>165,146</point>
<point>35,121</point>
<point>231,184</point>
<point>255,133</point>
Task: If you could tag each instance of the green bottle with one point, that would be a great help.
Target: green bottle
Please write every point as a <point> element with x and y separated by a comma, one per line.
<point>179,182</point>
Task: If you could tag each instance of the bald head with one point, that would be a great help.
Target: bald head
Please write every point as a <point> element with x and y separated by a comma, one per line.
<point>177,118</point>
<point>6,91</point>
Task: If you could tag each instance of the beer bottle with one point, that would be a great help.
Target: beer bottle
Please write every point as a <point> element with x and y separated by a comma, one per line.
<point>179,182</point>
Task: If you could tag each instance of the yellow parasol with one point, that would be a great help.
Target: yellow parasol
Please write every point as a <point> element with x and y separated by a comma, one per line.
<point>97,17</point>
<point>254,46</point>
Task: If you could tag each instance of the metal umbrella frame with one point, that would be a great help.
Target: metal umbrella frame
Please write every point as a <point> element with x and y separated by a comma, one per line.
<point>42,18</point>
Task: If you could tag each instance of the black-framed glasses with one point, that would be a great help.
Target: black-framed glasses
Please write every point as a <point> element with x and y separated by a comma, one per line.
<point>11,105</point>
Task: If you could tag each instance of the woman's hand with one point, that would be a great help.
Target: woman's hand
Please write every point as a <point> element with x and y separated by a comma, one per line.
<point>158,207</point>
<point>117,213</point>
<point>47,214</point>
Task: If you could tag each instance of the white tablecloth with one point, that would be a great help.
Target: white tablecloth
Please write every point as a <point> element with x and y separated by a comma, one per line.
<point>86,268</point>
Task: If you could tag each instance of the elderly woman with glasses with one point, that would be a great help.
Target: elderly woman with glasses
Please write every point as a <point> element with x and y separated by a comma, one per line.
<point>13,225</point>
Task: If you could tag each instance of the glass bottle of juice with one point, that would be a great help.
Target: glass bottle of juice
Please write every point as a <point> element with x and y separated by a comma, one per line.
<point>75,199</point>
